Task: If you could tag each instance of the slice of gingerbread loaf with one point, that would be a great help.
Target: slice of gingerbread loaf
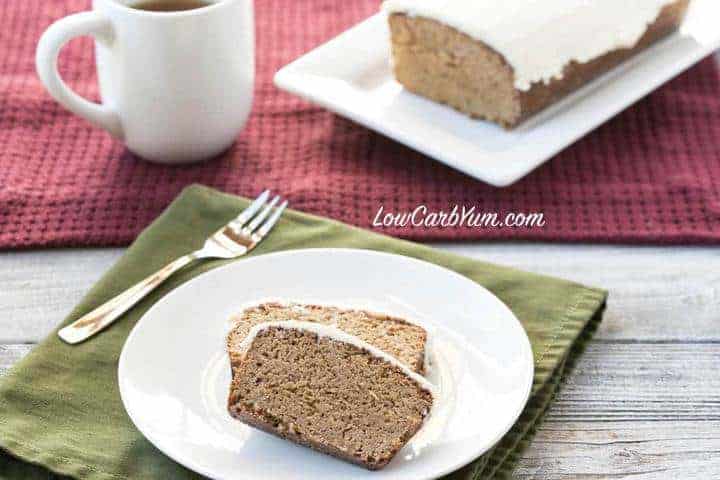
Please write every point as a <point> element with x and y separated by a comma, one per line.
<point>322,388</point>
<point>395,336</point>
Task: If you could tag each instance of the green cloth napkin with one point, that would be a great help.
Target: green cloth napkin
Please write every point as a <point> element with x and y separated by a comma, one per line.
<point>60,410</point>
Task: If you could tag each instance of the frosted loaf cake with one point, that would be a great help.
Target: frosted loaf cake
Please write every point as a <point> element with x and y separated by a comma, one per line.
<point>506,60</point>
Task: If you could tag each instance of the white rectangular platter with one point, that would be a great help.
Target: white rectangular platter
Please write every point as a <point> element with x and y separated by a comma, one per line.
<point>351,76</point>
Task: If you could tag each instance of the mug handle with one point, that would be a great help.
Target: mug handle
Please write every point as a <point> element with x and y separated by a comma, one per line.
<point>46,58</point>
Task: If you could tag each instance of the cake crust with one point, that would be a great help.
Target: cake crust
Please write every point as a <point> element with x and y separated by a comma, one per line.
<point>450,67</point>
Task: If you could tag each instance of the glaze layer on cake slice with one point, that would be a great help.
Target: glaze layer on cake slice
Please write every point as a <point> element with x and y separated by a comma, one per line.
<point>400,338</point>
<point>325,389</point>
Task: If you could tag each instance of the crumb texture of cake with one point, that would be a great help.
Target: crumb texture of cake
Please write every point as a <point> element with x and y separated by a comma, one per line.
<point>328,391</point>
<point>401,339</point>
<point>504,61</point>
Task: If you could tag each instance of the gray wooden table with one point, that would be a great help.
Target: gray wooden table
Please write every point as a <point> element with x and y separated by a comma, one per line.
<point>643,403</point>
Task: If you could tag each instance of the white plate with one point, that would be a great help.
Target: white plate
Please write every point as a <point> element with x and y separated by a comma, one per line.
<point>174,375</point>
<point>351,76</point>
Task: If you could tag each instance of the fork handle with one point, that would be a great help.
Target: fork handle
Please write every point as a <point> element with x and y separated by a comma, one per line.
<point>91,323</point>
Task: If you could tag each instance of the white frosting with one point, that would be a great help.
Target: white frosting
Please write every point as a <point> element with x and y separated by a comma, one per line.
<point>538,38</point>
<point>439,371</point>
<point>334,333</point>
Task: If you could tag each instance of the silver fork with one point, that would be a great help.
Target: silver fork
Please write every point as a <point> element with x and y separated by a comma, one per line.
<point>233,240</point>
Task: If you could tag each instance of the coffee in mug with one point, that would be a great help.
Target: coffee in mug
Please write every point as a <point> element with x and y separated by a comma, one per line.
<point>169,5</point>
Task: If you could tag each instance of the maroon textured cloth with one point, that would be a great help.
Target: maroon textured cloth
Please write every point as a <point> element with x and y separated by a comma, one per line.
<point>651,175</point>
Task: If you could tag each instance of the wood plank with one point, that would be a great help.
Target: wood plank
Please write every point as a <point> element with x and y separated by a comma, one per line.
<point>655,293</point>
<point>9,354</point>
<point>648,382</point>
<point>40,287</point>
<point>643,410</point>
<point>621,450</point>
<point>646,411</point>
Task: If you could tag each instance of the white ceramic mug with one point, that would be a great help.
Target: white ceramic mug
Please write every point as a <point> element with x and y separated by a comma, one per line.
<point>176,87</point>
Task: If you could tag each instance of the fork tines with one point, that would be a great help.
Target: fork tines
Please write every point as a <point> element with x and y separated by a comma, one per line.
<point>258,223</point>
